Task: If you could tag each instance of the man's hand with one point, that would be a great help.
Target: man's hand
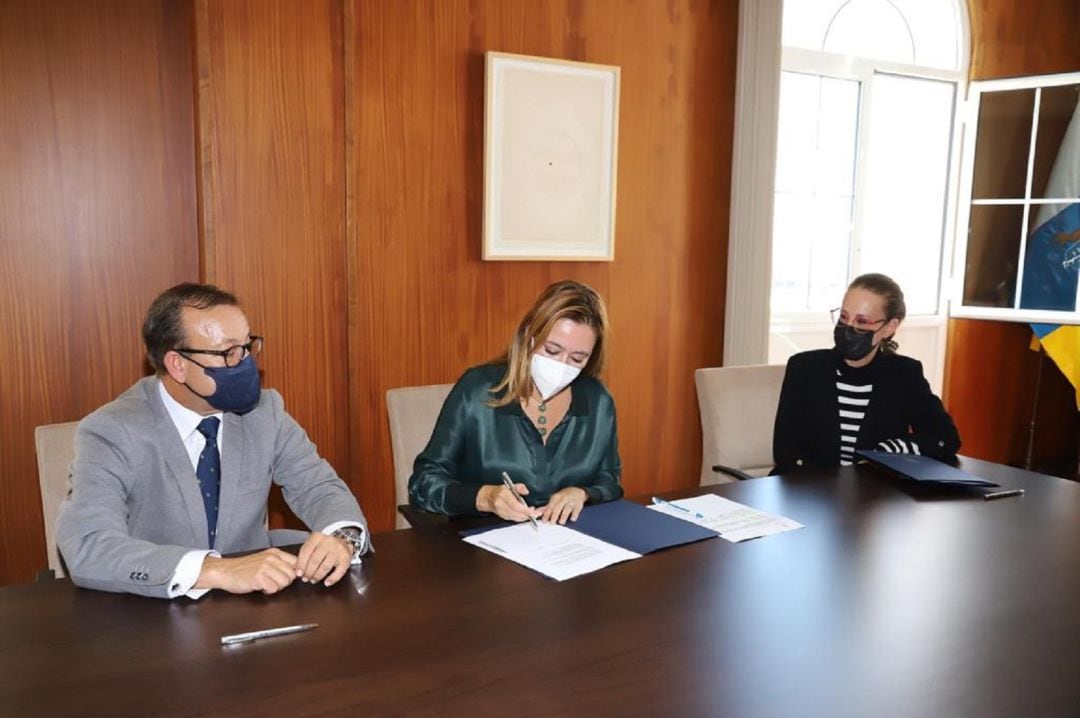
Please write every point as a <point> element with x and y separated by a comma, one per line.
<point>321,555</point>
<point>268,571</point>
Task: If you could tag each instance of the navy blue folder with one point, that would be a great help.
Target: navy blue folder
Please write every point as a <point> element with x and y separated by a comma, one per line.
<point>636,528</point>
<point>923,468</point>
<point>631,526</point>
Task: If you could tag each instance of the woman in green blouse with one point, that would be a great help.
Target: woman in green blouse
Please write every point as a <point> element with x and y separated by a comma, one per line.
<point>539,413</point>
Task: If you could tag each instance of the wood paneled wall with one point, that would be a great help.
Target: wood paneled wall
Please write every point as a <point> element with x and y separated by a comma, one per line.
<point>322,159</point>
<point>1017,37</point>
<point>426,306</point>
<point>97,215</point>
<point>272,210</point>
<point>990,373</point>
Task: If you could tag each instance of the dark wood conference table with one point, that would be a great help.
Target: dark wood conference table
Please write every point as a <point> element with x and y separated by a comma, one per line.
<point>891,602</point>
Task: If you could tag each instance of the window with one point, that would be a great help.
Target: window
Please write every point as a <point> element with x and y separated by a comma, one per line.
<point>865,162</point>
<point>1020,202</point>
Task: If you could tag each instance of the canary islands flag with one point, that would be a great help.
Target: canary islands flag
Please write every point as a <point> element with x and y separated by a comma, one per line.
<point>1052,259</point>
<point>1062,344</point>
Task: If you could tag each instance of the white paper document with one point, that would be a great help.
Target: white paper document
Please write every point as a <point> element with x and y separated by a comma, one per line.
<point>556,551</point>
<point>731,520</point>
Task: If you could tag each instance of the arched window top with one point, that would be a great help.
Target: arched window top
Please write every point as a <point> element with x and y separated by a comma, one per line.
<point>911,32</point>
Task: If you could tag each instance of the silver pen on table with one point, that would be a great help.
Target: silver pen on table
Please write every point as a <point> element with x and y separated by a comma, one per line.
<point>1002,494</point>
<point>661,502</point>
<point>266,633</point>
<point>510,485</point>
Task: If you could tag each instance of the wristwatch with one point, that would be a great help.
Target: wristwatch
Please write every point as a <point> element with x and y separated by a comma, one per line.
<point>352,536</point>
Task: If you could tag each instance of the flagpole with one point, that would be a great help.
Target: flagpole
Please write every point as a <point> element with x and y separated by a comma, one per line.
<point>1034,412</point>
<point>1077,477</point>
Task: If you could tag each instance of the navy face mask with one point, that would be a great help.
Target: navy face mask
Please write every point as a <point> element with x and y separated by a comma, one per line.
<point>851,344</point>
<point>237,389</point>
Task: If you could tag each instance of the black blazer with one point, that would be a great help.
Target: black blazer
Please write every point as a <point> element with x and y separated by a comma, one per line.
<point>807,432</point>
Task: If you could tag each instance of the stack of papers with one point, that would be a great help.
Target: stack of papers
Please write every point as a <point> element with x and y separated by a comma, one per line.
<point>603,535</point>
<point>555,551</point>
<point>733,521</point>
<point>619,531</point>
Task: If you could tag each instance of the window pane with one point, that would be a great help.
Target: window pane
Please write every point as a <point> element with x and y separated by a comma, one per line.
<point>1001,149</point>
<point>993,255</point>
<point>906,179</point>
<point>805,22</point>
<point>878,29</point>
<point>873,29</point>
<point>935,26</point>
<point>814,186</point>
<point>791,252</point>
<point>1057,106</point>
<point>1052,258</point>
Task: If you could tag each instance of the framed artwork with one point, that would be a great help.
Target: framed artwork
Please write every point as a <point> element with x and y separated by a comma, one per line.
<point>550,146</point>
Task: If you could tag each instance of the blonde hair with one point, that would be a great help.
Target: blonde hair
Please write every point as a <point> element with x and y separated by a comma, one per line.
<point>562,300</point>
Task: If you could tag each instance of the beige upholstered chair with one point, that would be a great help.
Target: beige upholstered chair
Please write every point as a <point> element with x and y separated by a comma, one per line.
<point>738,410</point>
<point>55,452</point>
<point>413,411</point>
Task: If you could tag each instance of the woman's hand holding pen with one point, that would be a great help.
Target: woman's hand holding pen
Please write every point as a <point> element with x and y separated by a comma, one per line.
<point>498,499</point>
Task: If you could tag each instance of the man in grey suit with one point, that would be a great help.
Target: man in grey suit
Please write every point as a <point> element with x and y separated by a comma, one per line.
<point>176,471</point>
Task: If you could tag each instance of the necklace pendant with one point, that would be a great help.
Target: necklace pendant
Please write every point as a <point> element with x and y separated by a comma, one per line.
<point>541,420</point>
<point>542,406</point>
<point>543,431</point>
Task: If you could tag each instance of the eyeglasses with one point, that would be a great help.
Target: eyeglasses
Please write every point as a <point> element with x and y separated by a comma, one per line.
<point>232,356</point>
<point>860,323</point>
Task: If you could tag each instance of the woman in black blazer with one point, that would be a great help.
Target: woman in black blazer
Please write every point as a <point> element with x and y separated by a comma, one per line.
<point>860,394</point>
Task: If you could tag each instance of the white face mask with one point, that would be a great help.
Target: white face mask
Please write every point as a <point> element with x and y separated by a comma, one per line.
<point>550,376</point>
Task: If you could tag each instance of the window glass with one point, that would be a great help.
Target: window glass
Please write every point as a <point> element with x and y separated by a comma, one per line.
<point>1057,107</point>
<point>815,170</point>
<point>1024,254</point>
<point>873,29</point>
<point>906,182</point>
<point>1052,258</point>
<point>923,32</point>
<point>935,27</point>
<point>1001,149</point>
<point>1052,254</point>
<point>993,255</point>
<point>805,22</point>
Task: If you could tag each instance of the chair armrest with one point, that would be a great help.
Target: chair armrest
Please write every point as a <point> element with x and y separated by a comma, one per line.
<point>423,520</point>
<point>429,523</point>
<point>735,473</point>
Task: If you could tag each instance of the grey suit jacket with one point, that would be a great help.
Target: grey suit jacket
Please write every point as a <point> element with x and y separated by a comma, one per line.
<point>134,508</point>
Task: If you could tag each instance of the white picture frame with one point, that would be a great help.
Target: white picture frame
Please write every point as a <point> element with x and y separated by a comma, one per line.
<point>551,132</point>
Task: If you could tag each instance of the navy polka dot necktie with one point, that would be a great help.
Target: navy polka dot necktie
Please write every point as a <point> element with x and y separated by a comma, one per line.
<point>209,474</point>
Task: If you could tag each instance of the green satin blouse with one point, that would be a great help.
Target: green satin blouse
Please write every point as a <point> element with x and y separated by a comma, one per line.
<point>472,445</point>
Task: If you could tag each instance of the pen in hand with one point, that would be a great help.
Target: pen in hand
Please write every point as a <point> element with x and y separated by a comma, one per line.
<point>510,485</point>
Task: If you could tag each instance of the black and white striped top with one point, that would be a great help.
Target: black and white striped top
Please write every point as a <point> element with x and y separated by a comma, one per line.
<point>853,398</point>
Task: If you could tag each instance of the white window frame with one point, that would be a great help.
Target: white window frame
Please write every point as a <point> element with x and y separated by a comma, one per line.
<point>861,70</point>
<point>970,118</point>
<point>748,319</point>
